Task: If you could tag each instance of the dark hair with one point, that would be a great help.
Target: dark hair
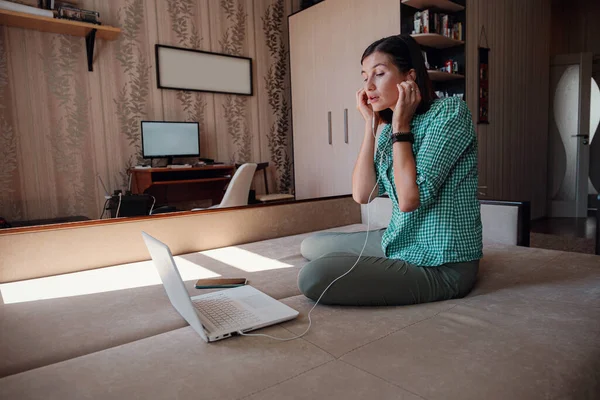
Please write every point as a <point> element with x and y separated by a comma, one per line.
<point>406,54</point>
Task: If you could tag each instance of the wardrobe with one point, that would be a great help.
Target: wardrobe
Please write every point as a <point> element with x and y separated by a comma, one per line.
<point>327,41</point>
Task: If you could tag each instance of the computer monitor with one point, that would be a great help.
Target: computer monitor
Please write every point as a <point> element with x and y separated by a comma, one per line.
<point>164,139</point>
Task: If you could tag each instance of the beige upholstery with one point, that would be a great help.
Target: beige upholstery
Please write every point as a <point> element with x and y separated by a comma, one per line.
<point>62,328</point>
<point>529,330</point>
<point>61,249</point>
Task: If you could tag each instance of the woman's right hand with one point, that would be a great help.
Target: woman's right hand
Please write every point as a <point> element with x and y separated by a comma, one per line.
<point>362,104</point>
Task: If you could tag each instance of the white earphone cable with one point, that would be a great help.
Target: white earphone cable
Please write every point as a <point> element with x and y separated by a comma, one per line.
<point>357,259</point>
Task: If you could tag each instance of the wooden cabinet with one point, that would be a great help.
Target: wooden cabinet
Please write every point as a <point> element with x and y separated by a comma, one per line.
<point>327,41</point>
<point>171,185</point>
<point>308,97</point>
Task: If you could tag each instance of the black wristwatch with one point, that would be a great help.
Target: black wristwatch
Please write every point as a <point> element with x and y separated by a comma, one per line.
<point>403,137</point>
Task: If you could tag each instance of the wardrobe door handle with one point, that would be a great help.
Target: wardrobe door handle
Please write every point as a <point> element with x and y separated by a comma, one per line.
<point>329,127</point>
<point>346,125</point>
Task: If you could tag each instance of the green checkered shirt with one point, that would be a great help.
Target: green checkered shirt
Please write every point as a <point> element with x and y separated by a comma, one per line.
<point>446,228</point>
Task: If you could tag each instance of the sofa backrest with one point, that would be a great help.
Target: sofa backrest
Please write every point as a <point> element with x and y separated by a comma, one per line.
<point>63,248</point>
<point>504,222</point>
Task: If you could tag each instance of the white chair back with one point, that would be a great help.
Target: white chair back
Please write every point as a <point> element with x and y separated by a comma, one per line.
<point>239,188</point>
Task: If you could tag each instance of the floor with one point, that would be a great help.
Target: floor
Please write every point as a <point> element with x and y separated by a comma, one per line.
<point>567,234</point>
<point>572,227</point>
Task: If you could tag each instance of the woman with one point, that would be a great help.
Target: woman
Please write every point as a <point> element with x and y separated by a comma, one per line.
<point>426,161</point>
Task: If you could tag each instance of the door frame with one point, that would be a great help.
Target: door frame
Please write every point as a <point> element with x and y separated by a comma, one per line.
<point>564,208</point>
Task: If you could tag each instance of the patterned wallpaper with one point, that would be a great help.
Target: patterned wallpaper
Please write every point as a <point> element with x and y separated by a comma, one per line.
<point>62,127</point>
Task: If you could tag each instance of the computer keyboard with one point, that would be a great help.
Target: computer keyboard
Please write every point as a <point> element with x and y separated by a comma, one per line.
<point>223,312</point>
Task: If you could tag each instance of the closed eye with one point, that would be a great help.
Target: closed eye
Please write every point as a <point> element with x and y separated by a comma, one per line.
<point>377,75</point>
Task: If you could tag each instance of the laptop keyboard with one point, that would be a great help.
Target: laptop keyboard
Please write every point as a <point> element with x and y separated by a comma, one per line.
<point>224,313</point>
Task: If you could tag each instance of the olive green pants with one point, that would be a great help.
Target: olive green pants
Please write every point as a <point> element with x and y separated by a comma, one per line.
<point>375,280</point>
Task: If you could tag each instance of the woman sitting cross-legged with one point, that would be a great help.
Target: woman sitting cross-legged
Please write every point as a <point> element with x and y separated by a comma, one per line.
<point>426,161</point>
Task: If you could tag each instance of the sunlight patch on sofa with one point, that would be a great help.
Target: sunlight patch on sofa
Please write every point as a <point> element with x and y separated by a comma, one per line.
<point>126,276</point>
<point>245,260</point>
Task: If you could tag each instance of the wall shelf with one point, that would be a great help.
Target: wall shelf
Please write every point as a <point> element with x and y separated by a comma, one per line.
<point>440,76</point>
<point>442,5</point>
<point>62,26</point>
<point>435,40</point>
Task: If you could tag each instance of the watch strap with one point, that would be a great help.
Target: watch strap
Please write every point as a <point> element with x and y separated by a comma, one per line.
<point>403,137</point>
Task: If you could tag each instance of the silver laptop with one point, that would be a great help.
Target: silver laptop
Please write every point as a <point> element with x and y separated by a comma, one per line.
<point>217,315</point>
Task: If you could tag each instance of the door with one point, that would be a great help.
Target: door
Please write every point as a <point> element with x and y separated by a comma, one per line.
<point>571,86</point>
<point>594,183</point>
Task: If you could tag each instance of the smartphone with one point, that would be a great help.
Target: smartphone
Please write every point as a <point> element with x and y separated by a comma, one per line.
<point>219,283</point>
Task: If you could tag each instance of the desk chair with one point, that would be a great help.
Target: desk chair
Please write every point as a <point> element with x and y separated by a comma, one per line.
<point>238,189</point>
<point>269,197</point>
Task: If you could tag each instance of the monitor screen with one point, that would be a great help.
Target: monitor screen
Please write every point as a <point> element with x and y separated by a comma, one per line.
<point>170,139</point>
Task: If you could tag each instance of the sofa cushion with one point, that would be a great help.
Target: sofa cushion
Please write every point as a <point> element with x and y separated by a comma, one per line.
<point>471,353</point>
<point>340,329</point>
<point>46,331</point>
<point>172,365</point>
<point>529,329</point>
<point>335,380</point>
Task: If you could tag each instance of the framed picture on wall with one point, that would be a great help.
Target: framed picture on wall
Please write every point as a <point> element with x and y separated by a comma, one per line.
<point>179,68</point>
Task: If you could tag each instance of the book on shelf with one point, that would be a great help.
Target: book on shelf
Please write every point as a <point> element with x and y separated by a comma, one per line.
<point>67,11</point>
<point>10,6</point>
<point>428,21</point>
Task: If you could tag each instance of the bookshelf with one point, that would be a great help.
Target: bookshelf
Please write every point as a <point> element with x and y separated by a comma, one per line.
<point>61,26</point>
<point>440,76</point>
<point>436,40</point>
<point>441,5</point>
<point>442,47</point>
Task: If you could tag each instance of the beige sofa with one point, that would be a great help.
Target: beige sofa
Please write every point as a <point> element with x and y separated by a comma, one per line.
<point>529,330</point>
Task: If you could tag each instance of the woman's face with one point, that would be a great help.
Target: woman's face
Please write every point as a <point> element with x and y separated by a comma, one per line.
<point>380,77</point>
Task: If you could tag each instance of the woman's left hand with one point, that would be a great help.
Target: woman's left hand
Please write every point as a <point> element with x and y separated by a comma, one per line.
<point>409,98</point>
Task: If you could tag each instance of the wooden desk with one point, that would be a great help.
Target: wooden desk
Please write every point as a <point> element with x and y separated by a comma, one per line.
<point>171,185</point>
